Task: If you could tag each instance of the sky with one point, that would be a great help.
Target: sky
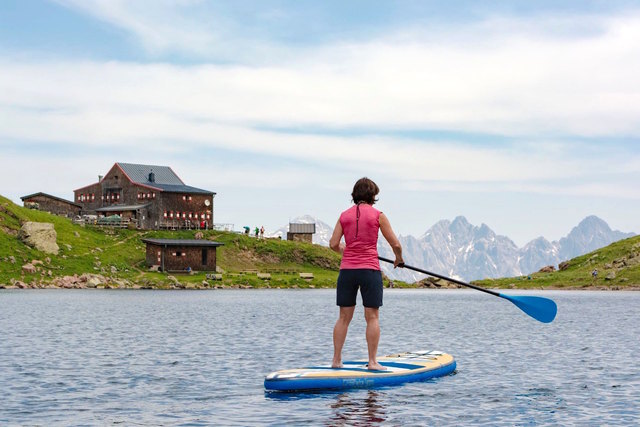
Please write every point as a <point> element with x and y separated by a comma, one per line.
<point>521,115</point>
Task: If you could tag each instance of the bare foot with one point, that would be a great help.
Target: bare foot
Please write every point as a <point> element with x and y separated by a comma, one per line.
<point>337,365</point>
<point>375,366</point>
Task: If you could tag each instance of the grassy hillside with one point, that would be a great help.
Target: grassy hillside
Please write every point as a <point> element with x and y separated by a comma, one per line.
<point>618,268</point>
<point>119,255</point>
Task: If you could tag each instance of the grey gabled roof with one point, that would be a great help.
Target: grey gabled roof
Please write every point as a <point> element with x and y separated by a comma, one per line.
<point>165,178</point>
<point>51,197</point>
<point>122,208</point>
<point>140,174</point>
<point>181,189</point>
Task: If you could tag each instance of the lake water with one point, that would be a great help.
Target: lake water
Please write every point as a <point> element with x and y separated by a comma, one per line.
<point>87,357</point>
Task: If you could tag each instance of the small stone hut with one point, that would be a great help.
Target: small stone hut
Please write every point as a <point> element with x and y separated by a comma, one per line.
<point>301,232</point>
<point>181,254</point>
<point>52,204</point>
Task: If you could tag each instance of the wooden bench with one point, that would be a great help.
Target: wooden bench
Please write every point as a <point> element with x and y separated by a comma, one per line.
<point>306,276</point>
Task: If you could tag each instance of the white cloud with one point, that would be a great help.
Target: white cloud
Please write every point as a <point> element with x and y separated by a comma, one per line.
<point>188,28</point>
<point>503,77</point>
<point>508,83</point>
<point>158,24</point>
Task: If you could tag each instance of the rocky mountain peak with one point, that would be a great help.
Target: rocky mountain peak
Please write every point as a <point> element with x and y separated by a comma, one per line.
<point>459,249</point>
<point>460,224</point>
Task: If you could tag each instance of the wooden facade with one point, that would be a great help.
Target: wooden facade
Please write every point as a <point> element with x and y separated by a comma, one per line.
<point>153,197</point>
<point>52,204</point>
<point>181,254</point>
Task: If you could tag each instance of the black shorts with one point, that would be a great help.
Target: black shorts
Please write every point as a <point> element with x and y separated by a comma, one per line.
<point>369,282</point>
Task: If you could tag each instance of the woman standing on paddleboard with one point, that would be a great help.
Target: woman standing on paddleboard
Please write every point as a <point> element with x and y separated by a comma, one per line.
<point>360,268</point>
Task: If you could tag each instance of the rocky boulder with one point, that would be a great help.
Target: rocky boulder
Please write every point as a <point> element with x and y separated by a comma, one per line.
<point>92,280</point>
<point>547,269</point>
<point>29,268</point>
<point>40,235</point>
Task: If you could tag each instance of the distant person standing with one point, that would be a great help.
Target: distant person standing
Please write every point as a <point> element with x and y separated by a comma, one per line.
<point>256,231</point>
<point>360,267</point>
<point>594,273</point>
<point>262,232</point>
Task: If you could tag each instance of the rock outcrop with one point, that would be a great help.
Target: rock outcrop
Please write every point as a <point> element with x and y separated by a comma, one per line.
<point>40,235</point>
<point>29,268</point>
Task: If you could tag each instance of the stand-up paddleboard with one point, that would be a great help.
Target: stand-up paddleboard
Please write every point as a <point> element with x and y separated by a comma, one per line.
<point>401,368</point>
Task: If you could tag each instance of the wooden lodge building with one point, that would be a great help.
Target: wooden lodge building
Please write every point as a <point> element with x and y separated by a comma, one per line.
<point>181,254</point>
<point>52,204</point>
<point>152,197</point>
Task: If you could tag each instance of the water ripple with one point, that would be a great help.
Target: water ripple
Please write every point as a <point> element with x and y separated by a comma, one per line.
<point>199,358</point>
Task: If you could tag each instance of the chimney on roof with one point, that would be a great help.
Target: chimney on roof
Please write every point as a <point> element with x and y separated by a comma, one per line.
<point>100,178</point>
<point>152,176</point>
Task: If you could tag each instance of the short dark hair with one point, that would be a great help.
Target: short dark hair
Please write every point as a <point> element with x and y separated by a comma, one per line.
<point>365,191</point>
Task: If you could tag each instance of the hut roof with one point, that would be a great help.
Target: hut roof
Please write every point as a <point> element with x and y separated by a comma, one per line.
<point>182,242</point>
<point>164,178</point>
<point>23,198</point>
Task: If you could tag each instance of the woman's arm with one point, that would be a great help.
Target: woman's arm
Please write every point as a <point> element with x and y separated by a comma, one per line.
<point>334,242</point>
<point>390,236</point>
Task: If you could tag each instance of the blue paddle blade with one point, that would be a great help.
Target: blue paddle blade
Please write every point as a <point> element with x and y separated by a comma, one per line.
<point>542,309</point>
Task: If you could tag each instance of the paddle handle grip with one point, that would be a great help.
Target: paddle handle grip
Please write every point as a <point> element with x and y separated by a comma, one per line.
<point>440,276</point>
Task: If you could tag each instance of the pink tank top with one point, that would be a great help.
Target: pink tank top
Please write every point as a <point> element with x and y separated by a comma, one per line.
<point>360,225</point>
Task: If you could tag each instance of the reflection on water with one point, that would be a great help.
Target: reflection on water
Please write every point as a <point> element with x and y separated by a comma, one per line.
<point>356,411</point>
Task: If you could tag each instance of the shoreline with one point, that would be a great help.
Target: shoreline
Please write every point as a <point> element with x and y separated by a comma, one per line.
<point>192,287</point>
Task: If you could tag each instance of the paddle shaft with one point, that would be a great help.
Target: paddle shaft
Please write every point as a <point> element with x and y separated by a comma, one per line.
<point>459,282</point>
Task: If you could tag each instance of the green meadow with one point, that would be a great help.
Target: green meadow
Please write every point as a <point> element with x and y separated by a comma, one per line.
<point>119,254</point>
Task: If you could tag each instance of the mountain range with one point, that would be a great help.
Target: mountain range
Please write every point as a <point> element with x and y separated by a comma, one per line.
<point>468,252</point>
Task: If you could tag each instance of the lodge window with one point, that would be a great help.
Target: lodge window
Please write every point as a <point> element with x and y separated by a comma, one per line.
<point>177,254</point>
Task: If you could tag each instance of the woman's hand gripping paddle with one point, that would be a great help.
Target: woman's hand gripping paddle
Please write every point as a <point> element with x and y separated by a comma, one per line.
<point>542,309</point>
